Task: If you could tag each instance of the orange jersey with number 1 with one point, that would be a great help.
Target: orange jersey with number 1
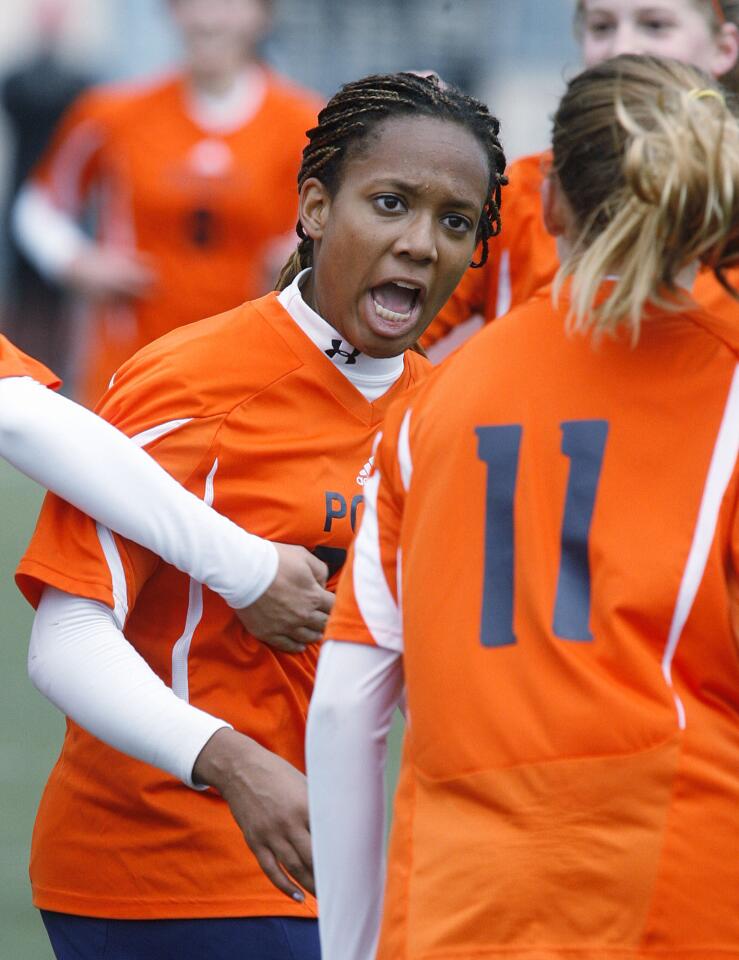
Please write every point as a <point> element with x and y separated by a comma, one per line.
<point>15,363</point>
<point>566,518</point>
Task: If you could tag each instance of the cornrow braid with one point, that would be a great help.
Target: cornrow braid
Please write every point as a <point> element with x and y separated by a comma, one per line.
<point>351,115</point>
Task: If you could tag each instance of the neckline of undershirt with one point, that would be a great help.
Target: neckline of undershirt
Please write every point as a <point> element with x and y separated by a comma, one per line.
<point>224,113</point>
<point>372,376</point>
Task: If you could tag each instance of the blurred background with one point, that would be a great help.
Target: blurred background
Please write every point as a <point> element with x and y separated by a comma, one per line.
<point>514,54</point>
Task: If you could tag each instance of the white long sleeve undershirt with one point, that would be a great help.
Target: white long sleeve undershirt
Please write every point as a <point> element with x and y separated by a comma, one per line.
<point>49,237</point>
<point>357,690</point>
<point>79,659</point>
<point>93,466</point>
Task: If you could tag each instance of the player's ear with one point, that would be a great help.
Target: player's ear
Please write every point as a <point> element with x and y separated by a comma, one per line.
<point>554,206</point>
<point>315,204</point>
<point>726,50</point>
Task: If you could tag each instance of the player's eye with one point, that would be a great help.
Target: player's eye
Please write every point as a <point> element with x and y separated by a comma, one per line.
<point>657,24</point>
<point>457,223</point>
<point>599,28</point>
<point>389,203</point>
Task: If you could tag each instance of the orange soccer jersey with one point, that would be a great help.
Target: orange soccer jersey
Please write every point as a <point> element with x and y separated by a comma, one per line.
<point>203,207</point>
<point>246,411</point>
<point>524,259</point>
<point>567,517</point>
<point>15,363</point>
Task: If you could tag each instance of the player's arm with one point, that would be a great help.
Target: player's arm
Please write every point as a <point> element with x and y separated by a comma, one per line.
<point>357,690</point>
<point>734,568</point>
<point>45,217</point>
<point>279,590</point>
<point>358,686</point>
<point>63,253</point>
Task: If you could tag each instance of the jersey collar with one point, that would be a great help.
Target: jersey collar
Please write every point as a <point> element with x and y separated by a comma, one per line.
<point>372,376</point>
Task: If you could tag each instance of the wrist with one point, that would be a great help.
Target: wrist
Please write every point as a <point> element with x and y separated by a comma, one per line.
<point>262,564</point>
<point>221,761</point>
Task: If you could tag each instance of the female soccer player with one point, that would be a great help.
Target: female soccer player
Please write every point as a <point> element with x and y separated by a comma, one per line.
<point>190,179</point>
<point>701,32</point>
<point>87,462</point>
<point>570,781</point>
<point>270,411</point>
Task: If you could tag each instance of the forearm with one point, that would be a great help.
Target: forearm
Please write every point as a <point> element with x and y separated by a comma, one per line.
<point>357,689</point>
<point>50,238</point>
<point>80,661</point>
<point>96,468</point>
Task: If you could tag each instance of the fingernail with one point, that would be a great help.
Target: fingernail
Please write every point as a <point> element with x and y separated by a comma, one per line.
<point>299,897</point>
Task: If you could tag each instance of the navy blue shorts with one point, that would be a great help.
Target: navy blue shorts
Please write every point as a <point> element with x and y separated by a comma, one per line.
<point>239,938</point>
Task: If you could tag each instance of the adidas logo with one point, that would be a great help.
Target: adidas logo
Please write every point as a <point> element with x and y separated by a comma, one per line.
<point>364,474</point>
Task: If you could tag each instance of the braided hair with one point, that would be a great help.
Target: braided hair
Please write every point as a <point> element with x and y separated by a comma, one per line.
<point>351,115</point>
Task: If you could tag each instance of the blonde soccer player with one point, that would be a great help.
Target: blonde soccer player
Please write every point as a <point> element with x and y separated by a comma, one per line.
<point>549,558</point>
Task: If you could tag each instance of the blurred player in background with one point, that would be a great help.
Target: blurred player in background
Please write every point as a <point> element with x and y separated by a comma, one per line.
<point>270,411</point>
<point>34,96</point>
<point>189,181</point>
<point>570,780</point>
<point>701,32</point>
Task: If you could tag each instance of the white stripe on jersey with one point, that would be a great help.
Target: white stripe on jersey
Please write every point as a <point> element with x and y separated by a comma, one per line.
<point>503,303</point>
<point>69,163</point>
<point>117,574</point>
<point>723,463</point>
<point>404,452</point>
<point>146,437</point>
<point>105,536</point>
<point>181,649</point>
<point>376,603</point>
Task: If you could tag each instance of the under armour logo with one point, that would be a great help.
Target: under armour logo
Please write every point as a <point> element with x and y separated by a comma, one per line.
<point>337,351</point>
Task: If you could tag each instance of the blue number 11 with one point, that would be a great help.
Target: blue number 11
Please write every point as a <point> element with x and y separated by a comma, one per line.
<point>583,443</point>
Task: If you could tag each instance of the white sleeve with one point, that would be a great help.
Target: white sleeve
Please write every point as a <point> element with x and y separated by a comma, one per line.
<point>356,692</point>
<point>80,661</point>
<point>49,238</point>
<point>93,466</point>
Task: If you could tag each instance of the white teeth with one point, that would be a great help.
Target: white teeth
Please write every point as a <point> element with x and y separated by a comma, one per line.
<point>407,286</point>
<point>390,314</point>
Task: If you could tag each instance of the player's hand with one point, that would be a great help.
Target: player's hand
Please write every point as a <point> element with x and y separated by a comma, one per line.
<point>102,274</point>
<point>294,610</point>
<point>268,798</point>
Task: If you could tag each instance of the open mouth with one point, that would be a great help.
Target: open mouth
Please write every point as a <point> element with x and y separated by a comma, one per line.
<point>396,301</point>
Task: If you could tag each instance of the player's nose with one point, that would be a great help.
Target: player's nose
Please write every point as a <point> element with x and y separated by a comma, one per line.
<point>418,237</point>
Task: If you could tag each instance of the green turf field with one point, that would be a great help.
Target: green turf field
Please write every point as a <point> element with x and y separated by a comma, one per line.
<point>31,731</point>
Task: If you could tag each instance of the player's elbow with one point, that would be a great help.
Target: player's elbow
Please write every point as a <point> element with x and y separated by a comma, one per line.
<point>39,667</point>
<point>14,414</point>
<point>331,711</point>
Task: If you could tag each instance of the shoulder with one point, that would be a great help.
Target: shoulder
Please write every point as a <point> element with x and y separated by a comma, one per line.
<point>204,369</point>
<point>527,173</point>
<point>721,325</point>
<point>498,351</point>
<point>418,366</point>
<point>114,101</point>
<point>294,103</point>
<point>523,193</point>
<point>15,363</point>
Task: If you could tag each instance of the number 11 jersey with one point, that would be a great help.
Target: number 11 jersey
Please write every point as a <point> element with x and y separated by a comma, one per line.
<point>564,514</point>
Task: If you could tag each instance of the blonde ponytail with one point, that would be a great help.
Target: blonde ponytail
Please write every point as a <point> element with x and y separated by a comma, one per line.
<point>647,154</point>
